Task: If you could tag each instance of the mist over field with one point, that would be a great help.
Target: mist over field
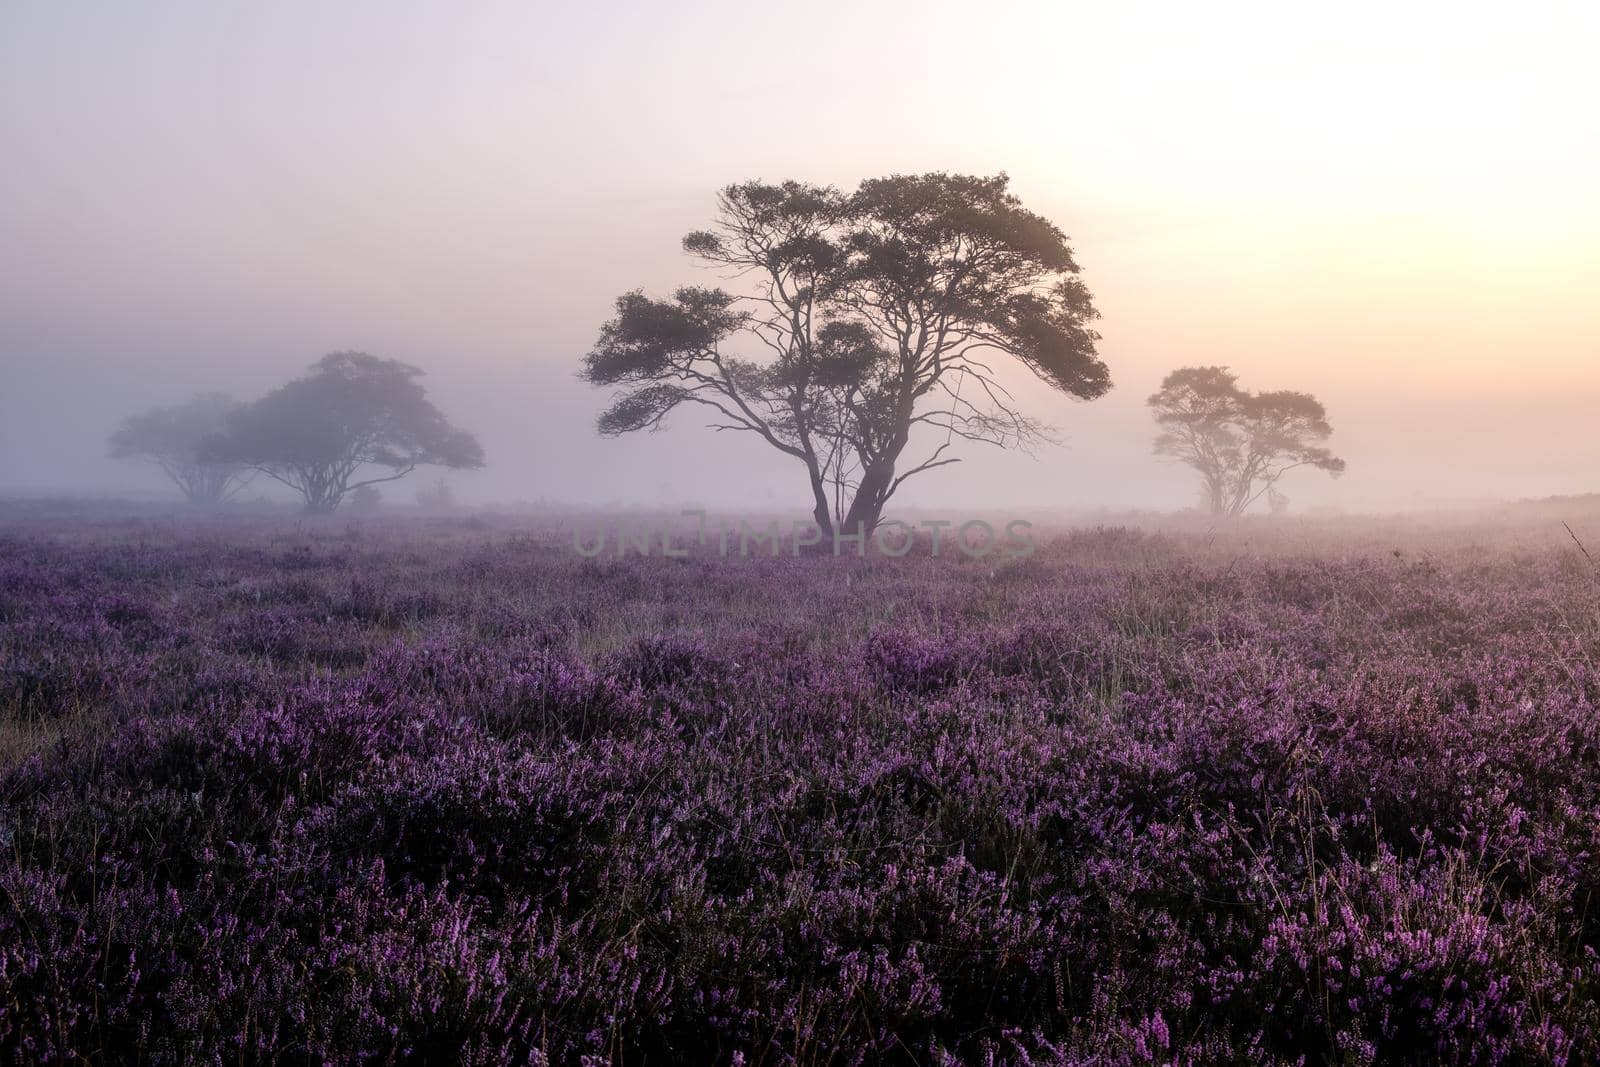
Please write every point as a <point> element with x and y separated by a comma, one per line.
<point>868,533</point>
<point>1391,209</point>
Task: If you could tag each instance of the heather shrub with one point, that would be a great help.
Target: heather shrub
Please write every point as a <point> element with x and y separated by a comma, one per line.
<point>423,792</point>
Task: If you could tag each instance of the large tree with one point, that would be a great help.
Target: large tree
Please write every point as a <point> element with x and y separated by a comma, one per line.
<point>1240,442</point>
<point>864,322</point>
<point>354,420</point>
<point>173,438</point>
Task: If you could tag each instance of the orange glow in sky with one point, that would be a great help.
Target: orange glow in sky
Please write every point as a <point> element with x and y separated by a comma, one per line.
<point>1390,205</point>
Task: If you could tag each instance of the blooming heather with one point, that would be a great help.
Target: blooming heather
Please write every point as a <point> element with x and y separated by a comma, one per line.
<point>442,792</point>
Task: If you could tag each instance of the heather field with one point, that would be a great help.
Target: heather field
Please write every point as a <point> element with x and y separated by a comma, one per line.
<point>412,790</point>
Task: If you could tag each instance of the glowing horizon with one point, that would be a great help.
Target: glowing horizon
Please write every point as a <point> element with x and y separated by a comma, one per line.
<point>1394,211</point>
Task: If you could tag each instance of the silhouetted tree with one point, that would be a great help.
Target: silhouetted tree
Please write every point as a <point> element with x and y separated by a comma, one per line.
<point>877,314</point>
<point>172,438</point>
<point>1240,442</point>
<point>352,413</point>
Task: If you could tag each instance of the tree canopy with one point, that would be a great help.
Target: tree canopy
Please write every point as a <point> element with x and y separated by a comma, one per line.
<point>1240,442</point>
<point>862,319</point>
<point>174,437</point>
<point>354,414</point>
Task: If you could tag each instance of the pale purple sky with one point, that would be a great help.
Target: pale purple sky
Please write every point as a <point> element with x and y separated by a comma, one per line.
<point>1390,206</point>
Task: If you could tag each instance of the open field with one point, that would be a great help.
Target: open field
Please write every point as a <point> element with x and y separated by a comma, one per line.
<point>414,790</point>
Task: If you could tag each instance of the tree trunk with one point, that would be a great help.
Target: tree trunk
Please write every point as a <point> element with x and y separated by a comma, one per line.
<point>1216,493</point>
<point>867,506</point>
<point>820,512</point>
<point>321,501</point>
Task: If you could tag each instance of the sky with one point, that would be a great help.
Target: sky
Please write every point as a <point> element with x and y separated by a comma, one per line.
<point>1391,206</point>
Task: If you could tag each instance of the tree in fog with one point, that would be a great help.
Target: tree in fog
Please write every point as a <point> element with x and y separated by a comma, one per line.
<point>865,322</point>
<point>366,500</point>
<point>173,437</point>
<point>437,498</point>
<point>1240,442</point>
<point>355,420</point>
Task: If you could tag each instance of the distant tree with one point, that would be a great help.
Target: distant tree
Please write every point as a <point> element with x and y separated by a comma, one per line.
<point>436,497</point>
<point>173,438</point>
<point>878,314</point>
<point>352,414</point>
<point>366,499</point>
<point>1240,442</point>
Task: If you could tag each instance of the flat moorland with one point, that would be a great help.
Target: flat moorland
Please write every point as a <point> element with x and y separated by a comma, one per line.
<point>425,790</point>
